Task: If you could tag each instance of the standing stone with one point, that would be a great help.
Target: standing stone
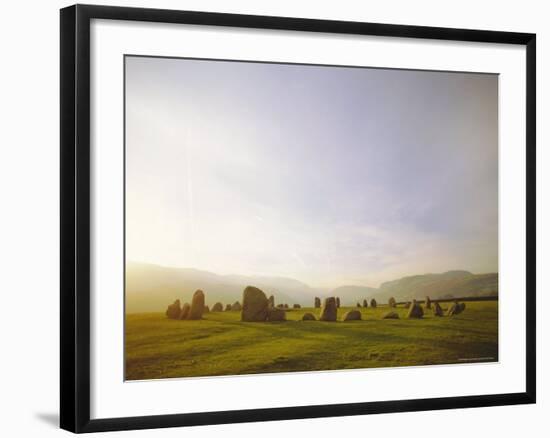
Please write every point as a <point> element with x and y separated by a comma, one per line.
<point>391,315</point>
<point>271,301</point>
<point>456,309</point>
<point>428,303</point>
<point>275,314</point>
<point>255,305</point>
<point>407,305</point>
<point>337,301</point>
<point>437,310</point>
<point>185,311</point>
<point>365,303</point>
<point>218,307</point>
<point>174,310</point>
<point>309,317</point>
<point>392,302</point>
<point>415,310</point>
<point>352,315</point>
<point>317,303</point>
<point>358,304</point>
<point>328,310</point>
<point>373,303</point>
<point>285,306</point>
<point>206,309</point>
<point>280,306</point>
<point>197,305</point>
<point>296,306</point>
<point>236,306</point>
<point>227,307</point>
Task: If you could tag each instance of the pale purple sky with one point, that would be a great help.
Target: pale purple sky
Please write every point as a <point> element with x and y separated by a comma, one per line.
<point>329,175</point>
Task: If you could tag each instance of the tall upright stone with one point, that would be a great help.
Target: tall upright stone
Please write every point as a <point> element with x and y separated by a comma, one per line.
<point>174,310</point>
<point>373,303</point>
<point>255,305</point>
<point>437,310</point>
<point>317,302</point>
<point>197,305</point>
<point>415,310</point>
<point>428,303</point>
<point>185,311</point>
<point>365,303</point>
<point>329,310</point>
<point>337,301</point>
<point>392,302</point>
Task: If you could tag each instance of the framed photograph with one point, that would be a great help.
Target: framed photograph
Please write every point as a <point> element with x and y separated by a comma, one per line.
<point>268,218</point>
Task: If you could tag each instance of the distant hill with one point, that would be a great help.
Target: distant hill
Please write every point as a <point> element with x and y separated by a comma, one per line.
<point>446,285</point>
<point>350,295</point>
<point>150,288</point>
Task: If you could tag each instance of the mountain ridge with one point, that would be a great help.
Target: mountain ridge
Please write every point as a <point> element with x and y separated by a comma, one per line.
<point>151,287</point>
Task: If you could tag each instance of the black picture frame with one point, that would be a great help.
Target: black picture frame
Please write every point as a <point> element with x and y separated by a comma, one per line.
<point>75,217</point>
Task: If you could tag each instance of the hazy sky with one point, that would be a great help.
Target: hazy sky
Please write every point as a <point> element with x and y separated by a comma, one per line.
<point>329,175</point>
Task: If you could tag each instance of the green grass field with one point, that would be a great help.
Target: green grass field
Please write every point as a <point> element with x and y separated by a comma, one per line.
<point>220,344</point>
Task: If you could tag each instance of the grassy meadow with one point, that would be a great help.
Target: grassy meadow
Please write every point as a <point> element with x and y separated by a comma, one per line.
<point>220,344</point>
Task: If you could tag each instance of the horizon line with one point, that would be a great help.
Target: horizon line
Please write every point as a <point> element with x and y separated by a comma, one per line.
<point>298,280</point>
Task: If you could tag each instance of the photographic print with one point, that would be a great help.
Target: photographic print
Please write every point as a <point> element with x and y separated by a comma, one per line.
<point>294,217</point>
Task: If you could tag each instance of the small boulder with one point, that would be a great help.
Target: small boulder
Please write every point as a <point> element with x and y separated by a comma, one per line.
<point>255,305</point>
<point>275,314</point>
<point>391,315</point>
<point>185,311</point>
<point>197,305</point>
<point>218,307</point>
<point>415,310</point>
<point>236,306</point>
<point>392,302</point>
<point>373,303</point>
<point>309,317</point>
<point>352,315</point>
<point>174,310</point>
<point>328,310</point>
